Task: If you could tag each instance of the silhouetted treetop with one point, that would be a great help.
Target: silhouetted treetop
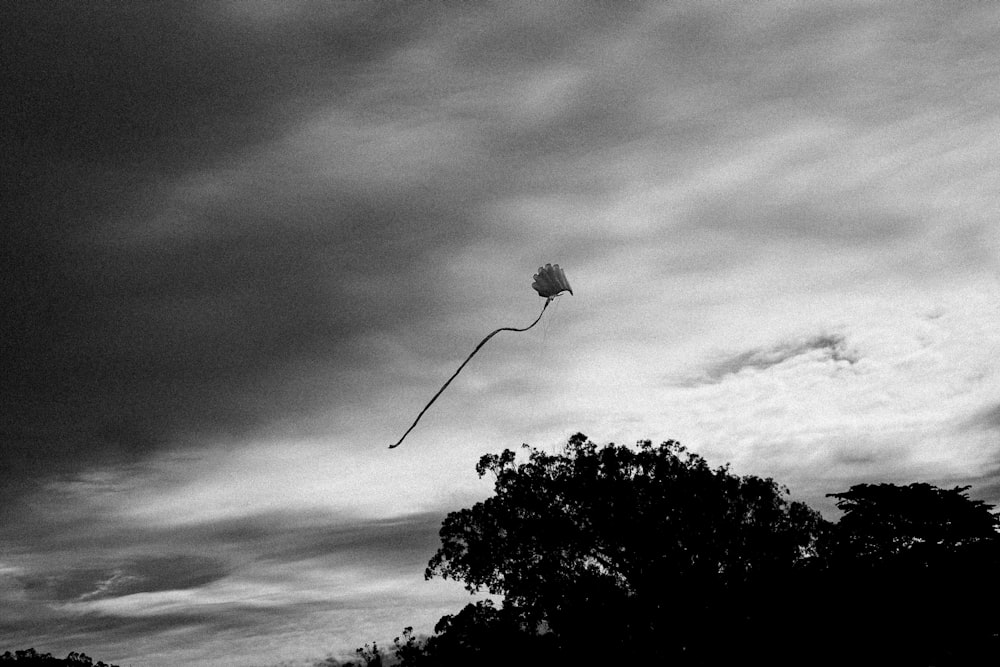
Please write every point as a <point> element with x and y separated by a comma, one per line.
<point>884,520</point>
<point>648,555</point>
<point>32,658</point>
<point>907,571</point>
<point>619,514</point>
<point>619,540</point>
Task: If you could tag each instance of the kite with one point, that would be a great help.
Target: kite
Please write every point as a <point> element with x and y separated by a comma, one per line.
<point>550,282</point>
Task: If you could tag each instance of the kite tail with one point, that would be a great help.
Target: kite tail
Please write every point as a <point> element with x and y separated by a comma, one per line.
<point>478,347</point>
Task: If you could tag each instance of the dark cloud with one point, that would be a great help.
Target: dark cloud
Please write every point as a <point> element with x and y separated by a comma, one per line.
<point>988,418</point>
<point>137,575</point>
<point>213,548</point>
<point>175,83</point>
<point>112,348</point>
<point>285,537</point>
<point>832,347</point>
<point>191,555</point>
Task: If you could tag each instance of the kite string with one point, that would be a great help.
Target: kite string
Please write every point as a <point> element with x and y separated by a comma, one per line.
<point>467,359</point>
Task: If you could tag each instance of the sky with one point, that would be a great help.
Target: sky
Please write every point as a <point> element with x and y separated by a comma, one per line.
<point>244,243</point>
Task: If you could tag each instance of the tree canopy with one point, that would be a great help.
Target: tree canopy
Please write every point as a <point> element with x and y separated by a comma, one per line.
<point>613,548</point>
<point>883,521</point>
<point>32,658</point>
<point>908,569</point>
<point>648,555</point>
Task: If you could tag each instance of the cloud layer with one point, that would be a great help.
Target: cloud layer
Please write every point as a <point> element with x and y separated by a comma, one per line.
<point>244,242</point>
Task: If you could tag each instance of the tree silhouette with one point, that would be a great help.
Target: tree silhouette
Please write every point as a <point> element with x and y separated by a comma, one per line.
<point>615,553</point>
<point>885,521</point>
<point>32,658</point>
<point>909,567</point>
<point>647,555</point>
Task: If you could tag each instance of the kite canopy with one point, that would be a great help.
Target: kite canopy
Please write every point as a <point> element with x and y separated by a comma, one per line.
<point>550,281</point>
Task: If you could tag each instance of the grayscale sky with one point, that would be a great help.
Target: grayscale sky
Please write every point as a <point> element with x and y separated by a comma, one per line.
<point>244,242</point>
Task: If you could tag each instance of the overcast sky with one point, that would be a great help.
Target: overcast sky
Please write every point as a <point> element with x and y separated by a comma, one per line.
<point>245,242</point>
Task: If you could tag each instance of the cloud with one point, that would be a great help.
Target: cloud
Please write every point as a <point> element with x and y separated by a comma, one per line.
<point>264,219</point>
<point>254,575</point>
<point>891,401</point>
<point>828,346</point>
<point>988,418</point>
<point>136,575</point>
<point>146,303</point>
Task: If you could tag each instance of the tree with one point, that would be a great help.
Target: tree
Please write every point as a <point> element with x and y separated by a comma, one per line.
<point>616,551</point>
<point>647,555</point>
<point>907,570</point>
<point>885,521</point>
<point>32,658</point>
<point>484,635</point>
<point>371,654</point>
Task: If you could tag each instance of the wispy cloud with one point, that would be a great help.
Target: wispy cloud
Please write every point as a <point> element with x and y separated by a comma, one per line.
<point>822,347</point>
<point>256,574</point>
